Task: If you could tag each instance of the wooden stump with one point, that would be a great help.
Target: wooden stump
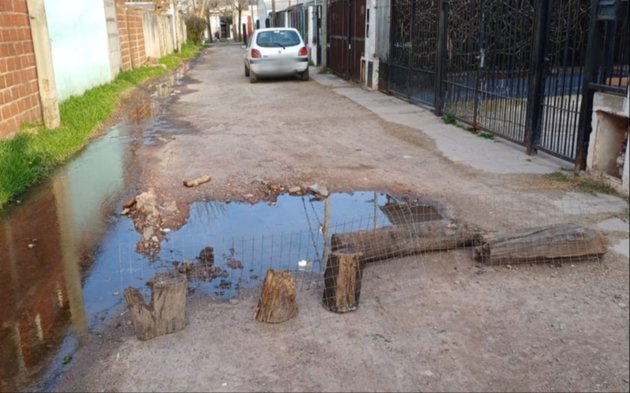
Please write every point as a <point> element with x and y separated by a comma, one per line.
<point>556,242</point>
<point>167,311</point>
<point>409,239</point>
<point>278,298</point>
<point>342,280</point>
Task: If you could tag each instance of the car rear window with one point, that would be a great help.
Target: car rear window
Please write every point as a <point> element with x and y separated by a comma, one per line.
<point>273,38</point>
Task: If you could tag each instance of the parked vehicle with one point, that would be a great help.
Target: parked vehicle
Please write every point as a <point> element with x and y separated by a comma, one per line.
<point>276,52</point>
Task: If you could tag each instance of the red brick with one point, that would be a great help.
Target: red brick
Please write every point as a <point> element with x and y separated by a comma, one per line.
<point>20,6</point>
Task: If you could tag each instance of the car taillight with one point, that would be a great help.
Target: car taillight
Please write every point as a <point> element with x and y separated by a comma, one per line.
<point>256,54</point>
<point>303,51</point>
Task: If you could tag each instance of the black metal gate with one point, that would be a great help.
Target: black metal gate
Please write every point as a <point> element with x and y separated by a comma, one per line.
<point>512,67</point>
<point>346,38</point>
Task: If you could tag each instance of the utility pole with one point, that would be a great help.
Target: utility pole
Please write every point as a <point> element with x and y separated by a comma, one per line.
<point>324,43</point>
<point>273,13</point>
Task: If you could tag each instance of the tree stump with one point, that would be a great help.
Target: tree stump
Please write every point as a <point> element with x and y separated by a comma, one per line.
<point>278,298</point>
<point>556,242</point>
<point>167,311</point>
<point>342,280</point>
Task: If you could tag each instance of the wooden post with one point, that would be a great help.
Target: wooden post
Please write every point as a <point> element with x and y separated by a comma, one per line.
<point>277,301</point>
<point>342,280</point>
<point>557,242</point>
<point>167,311</point>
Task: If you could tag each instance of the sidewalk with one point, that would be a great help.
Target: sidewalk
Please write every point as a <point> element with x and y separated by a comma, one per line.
<point>496,156</point>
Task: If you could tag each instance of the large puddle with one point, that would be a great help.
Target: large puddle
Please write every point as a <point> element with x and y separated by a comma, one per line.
<point>67,256</point>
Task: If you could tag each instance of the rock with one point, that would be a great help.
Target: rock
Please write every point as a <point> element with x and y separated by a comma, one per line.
<point>125,211</point>
<point>31,245</point>
<point>318,190</point>
<point>170,206</point>
<point>214,272</point>
<point>165,230</point>
<point>206,256</point>
<point>295,190</point>
<point>224,284</point>
<point>129,203</point>
<point>155,239</point>
<point>197,181</point>
<point>248,196</point>
<point>235,264</point>
<point>185,267</point>
<point>234,301</point>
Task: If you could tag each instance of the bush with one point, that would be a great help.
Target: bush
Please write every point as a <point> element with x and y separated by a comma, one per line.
<point>195,27</point>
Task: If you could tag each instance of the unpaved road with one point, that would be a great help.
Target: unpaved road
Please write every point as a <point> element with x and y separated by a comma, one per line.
<point>433,322</point>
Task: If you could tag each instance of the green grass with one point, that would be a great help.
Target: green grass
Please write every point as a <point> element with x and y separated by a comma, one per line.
<point>485,135</point>
<point>449,119</point>
<point>32,154</point>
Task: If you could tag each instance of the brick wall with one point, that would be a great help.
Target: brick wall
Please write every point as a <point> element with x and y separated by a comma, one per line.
<point>132,50</point>
<point>19,92</point>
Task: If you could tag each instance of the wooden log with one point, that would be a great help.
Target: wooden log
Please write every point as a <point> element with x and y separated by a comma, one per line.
<point>167,311</point>
<point>342,279</point>
<point>409,239</point>
<point>278,298</point>
<point>556,242</point>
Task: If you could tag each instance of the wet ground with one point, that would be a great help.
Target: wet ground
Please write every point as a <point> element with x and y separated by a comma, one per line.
<point>70,255</point>
<point>55,239</point>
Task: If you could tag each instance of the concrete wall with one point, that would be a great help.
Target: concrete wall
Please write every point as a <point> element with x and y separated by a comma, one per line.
<point>80,48</point>
<point>157,34</point>
<point>113,37</point>
<point>608,148</point>
<point>19,92</point>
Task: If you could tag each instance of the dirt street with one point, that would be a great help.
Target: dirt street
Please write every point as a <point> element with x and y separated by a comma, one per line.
<point>438,321</point>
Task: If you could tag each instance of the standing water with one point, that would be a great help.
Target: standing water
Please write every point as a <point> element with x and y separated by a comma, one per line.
<point>67,256</point>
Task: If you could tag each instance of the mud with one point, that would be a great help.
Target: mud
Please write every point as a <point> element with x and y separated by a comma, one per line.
<point>437,321</point>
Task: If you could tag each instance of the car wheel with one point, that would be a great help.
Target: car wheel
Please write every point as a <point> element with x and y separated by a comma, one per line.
<point>304,76</point>
<point>246,70</point>
<point>252,77</point>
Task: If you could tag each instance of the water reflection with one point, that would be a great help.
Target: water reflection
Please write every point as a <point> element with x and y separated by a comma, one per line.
<point>45,246</point>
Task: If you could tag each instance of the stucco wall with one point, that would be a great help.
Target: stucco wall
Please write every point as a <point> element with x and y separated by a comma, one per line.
<point>79,41</point>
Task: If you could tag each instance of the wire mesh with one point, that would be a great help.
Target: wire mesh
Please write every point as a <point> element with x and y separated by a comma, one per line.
<point>331,258</point>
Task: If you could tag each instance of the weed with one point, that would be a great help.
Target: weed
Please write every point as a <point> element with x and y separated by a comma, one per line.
<point>582,184</point>
<point>486,135</point>
<point>35,151</point>
<point>449,119</point>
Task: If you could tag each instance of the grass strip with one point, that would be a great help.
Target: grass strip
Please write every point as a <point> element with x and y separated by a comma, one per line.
<point>30,156</point>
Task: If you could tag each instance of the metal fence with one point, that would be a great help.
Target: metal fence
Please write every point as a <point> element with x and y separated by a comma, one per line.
<point>519,69</point>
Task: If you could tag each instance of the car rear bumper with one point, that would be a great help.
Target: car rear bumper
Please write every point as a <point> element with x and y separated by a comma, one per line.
<point>274,67</point>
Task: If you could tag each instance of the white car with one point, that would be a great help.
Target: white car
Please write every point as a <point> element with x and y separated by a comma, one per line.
<point>276,52</point>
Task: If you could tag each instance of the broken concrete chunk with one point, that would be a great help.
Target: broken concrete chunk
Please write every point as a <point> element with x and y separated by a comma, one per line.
<point>206,256</point>
<point>297,190</point>
<point>316,189</point>
<point>235,264</point>
<point>129,203</point>
<point>198,181</point>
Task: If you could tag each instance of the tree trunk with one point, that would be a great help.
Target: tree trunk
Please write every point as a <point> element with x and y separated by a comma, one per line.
<point>167,311</point>
<point>556,242</point>
<point>342,280</point>
<point>277,301</point>
<point>409,239</point>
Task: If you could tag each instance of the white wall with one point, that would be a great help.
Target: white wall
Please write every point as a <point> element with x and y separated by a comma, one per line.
<point>80,45</point>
